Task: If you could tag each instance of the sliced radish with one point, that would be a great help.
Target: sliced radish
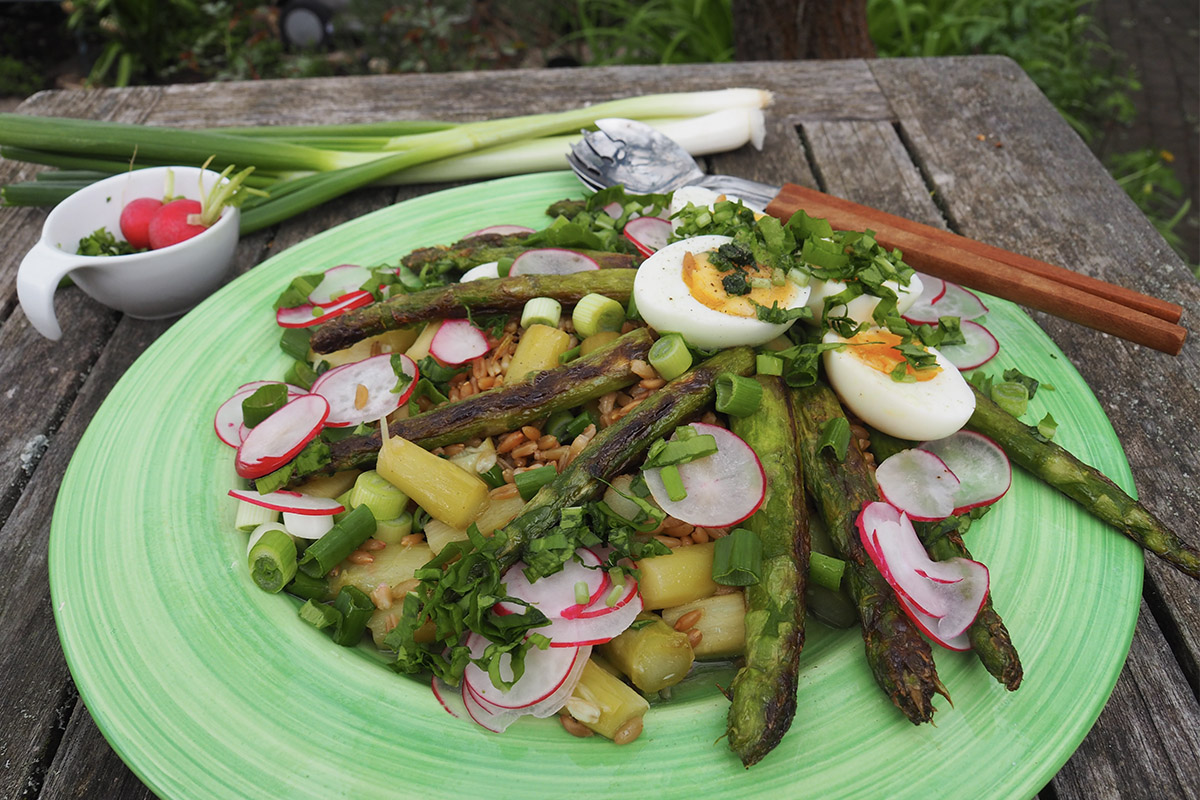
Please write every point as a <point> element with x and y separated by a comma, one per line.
<point>491,269</point>
<point>551,261</point>
<point>554,595</point>
<point>648,234</point>
<point>494,719</point>
<point>500,230</point>
<point>928,626</point>
<point>450,697</point>
<point>979,348</point>
<point>291,502</point>
<point>955,301</point>
<point>545,672</point>
<point>921,309</point>
<point>982,467</point>
<point>308,314</point>
<point>457,341</point>
<point>349,404</point>
<point>614,210</point>
<point>948,593</point>
<point>722,489</point>
<point>277,439</point>
<point>338,282</point>
<point>308,526</point>
<point>229,422</point>
<point>599,622</point>
<point>919,483</point>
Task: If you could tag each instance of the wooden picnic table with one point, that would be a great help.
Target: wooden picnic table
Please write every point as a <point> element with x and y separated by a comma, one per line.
<point>966,143</point>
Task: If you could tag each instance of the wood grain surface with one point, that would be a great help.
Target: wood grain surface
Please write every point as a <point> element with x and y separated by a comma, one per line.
<point>968,145</point>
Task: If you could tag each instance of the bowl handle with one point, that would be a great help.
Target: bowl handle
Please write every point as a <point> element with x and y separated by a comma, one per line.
<point>42,269</point>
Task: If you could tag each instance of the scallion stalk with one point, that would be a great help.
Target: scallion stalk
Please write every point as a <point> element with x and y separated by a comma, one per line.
<point>737,558</point>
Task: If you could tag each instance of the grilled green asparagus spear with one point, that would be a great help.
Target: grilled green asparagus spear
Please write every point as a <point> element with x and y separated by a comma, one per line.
<point>500,410</point>
<point>462,255</point>
<point>1083,484</point>
<point>482,297</point>
<point>900,659</point>
<point>764,690</point>
<point>989,637</point>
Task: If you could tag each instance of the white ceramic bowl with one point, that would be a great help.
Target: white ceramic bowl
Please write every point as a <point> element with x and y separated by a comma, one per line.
<point>149,285</point>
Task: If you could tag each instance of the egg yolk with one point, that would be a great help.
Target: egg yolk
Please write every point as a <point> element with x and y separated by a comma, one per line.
<point>877,349</point>
<point>705,282</point>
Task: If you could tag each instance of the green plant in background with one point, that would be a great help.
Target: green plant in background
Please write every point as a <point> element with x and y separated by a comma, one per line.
<point>139,40</point>
<point>1147,177</point>
<point>651,32</point>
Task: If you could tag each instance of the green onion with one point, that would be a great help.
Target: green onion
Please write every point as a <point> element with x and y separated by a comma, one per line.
<point>737,395</point>
<point>307,586</point>
<point>767,364</point>
<point>273,560</point>
<point>294,342</point>
<point>529,481</point>
<point>835,435</point>
<point>301,374</point>
<point>579,424</point>
<point>250,515</point>
<point>670,356</point>
<point>375,492</point>
<point>672,482</point>
<point>567,356</point>
<point>355,609</point>
<point>582,595</point>
<point>595,313</point>
<point>347,535</point>
<point>1011,396</point>
<point>557,423</point>
<point>264,402</point>
<point>319,615</point>
<point>826,570</point>
<point>494,477</point>
<point>541,311</point>
<point>737,558</point>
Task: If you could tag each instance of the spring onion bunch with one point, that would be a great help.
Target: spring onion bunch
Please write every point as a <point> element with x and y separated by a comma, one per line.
<point>300,167</point>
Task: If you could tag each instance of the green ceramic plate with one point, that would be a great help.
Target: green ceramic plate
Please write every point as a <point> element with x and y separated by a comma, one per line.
<point>210,688</point>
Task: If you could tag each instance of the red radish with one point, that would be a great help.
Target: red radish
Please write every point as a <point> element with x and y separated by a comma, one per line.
<point>338,282</point>
<point>980,347</point>
<point>499,230</point>
<point>554,595</point>
<point>277,439</point>
<point>493,719</point>
<point>722,489</point>
<point>135,220</point>
<point>599,622</point>
<point>228,421</point>
<point>948,594</point>
<point>648,234</point>
<point>551,261</point>
<point>545,672</point>
<point>954,301</point>
<point>307,314</point>
<point>361,391</point>
<point>177,221</point>
<point>920,310</point>
<point>457,341</point>
<point>291,502</point>
<point>918,483</point>
<point>981,465</point>
<point>552,703</point>
<point>928,626</point>
<point>450,697</point>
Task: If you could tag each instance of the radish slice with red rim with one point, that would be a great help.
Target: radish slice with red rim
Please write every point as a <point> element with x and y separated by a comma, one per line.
<point>291,502</point>
<point>599,622</point>
<point>281,436</point>
<point>919,483</point>
<point>980,347</point>
<point>648,234</point>
<point>338,282</point>
<point>948,593</point>
<point>928,625</point>
<point>491,269</point>
<point>347,405</point>
<point>955,301</point>
<point>982,467</point>
<point>449,697</point>
<point>545,672</point>
<point>499,230</point>
<point>457,341</point>
<point>308,314</point>
<point>229,422</point>
<point>554,595</point>
<point>493,719</point>
<point>921,309</point>
<point>551,261</point>
<point>722,489</point>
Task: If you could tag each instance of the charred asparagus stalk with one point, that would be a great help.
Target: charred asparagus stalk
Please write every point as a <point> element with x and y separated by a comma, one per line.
<point>467,253</point>
<point>764,690</point>
<point>898,655</point>
<point>482,297</point>
<point>989,637</point>
<point>1083,484</point>
<point>504,409</point>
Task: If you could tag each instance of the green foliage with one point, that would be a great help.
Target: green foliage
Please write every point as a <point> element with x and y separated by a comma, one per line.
<point>1055,41</point>
<point>16,78</point>
<point>651,32</point>
<point>1147,177</point>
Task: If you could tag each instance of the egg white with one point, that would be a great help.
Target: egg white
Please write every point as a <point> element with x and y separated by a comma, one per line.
<point>700,197</point>
<point>920,411</point>
<point>664,301</point>
<point>862,307</point>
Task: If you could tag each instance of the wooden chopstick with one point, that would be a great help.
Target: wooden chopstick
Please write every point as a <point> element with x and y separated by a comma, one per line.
<point>1079,298</point>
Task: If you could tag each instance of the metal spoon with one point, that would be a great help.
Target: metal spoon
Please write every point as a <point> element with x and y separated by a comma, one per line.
<point>645,161</point>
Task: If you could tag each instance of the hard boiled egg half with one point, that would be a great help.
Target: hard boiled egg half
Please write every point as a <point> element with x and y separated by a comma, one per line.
<point>861,308</point>
<point>678,290</point>
<point>927,404</point>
